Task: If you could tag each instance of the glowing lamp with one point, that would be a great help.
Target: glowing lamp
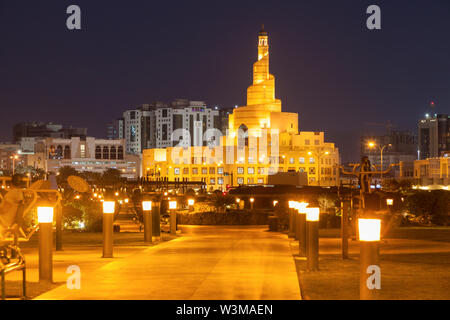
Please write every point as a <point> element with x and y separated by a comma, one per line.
<point>301,207</point>
<point>172,205</point>
<point>238,200</point>
<point>275,202</point>
<point>126,200</point>
<point>108,206</point>
<point>389,202</point>
<point>369,229</point>
<point>312,214</point>
<point>252,200</point>
<point>146,205</point>
<point>116,194</point>
<point>45,214</point>
<point>191,202</point>
<point>292,204</point>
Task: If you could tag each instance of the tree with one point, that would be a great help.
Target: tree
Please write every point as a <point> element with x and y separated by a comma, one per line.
<point>111,177</point>
<point>64,173</point>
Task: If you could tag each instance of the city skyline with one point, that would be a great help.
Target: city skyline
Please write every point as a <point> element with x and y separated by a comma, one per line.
<point>111,64</point>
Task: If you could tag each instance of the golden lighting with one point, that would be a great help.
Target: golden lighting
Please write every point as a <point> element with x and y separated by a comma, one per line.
<point>275,202</point>
<point>371,144</point>
<point>126,200</point>
<point>108,206</point>
<point>389,202</point>
<point>77,197</point>
<point>45,214</point>
<point>292,204</point>
<point>172,205</point>
<point>95,195</point>
<point>369,229</point>
<point>252,199</point>
<point>146,205</point>
<point>238,200</point>
<point>312,214</point>
<point>301,207</point>
<point>116,194</point>
<point>191,202</point>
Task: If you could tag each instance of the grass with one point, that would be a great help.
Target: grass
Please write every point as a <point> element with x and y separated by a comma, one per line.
<point>421,276</point>
<point>403,277</point>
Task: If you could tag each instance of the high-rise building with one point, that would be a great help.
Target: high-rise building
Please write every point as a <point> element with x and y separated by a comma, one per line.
<point>114,129</point>
<point>44,130</point>
<point>261,140</point>
<point>434,136</point>
<point>161,125</point>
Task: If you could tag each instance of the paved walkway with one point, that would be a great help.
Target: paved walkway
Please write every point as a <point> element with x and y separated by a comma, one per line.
<point>206,263</point>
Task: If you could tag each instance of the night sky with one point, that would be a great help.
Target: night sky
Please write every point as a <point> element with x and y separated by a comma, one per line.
<point>329,67</point>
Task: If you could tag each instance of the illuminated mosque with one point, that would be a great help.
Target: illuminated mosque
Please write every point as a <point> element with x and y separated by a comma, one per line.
<point>261,140</point>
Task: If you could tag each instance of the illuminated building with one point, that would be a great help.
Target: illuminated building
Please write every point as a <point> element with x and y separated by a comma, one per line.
<point>261,140</point>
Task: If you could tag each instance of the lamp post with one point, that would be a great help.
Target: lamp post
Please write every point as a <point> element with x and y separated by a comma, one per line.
<point>372,144</point>
<point>370,275</point>
<point>251,203</point>
<point>312,251</point>
<point>14,158</point>
<point>147,215</point>
<point>301,227</point>
<point>319,157</point>
<point>108,230</point>
<point>45,220</point>
<point>156,220</point>
<point>173,217</point>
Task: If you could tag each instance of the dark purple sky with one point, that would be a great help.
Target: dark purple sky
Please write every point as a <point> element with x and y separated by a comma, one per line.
<point>329,67</point>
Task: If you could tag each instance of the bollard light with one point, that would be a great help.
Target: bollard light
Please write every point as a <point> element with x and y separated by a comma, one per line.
<point>108,228</point>
<point>300,228</point>
<point>275,202</point>
<point>301,207</point>
<point>390,202</point>
<point>116,194</point>
<point>108,206</point>
<point>292,204</point>
<point>173,205</point>
<point>45,219</point>
<point>238,200</point>
<point>146,205</point>
<point>147,217</point>
<point>369,258</point>
<point>126,200</point>
<point>369,229</point>
<point>312,214</point>
<point>252,200</point>
<point>45,214</point>
<point>312,250</point>
<point>191,202</point>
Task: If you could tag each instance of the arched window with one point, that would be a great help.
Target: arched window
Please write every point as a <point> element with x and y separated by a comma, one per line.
<point>112,153</point>
<point>243,133</point>
<point>120,153</point>
<point>98,152</point>
<point>59,152</point>
<point>67,154</point>
<point>105,152</point>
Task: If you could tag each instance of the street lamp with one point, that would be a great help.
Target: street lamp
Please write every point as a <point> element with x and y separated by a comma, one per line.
<point>45,220</point>
<point>312,251</point>
<point>108,229</point>
<point>251,203</point>
<point>371,145</point>
<point>147,215</point>
<point>14,158</point>
<point>370,276</point>
<point>390,202</point>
